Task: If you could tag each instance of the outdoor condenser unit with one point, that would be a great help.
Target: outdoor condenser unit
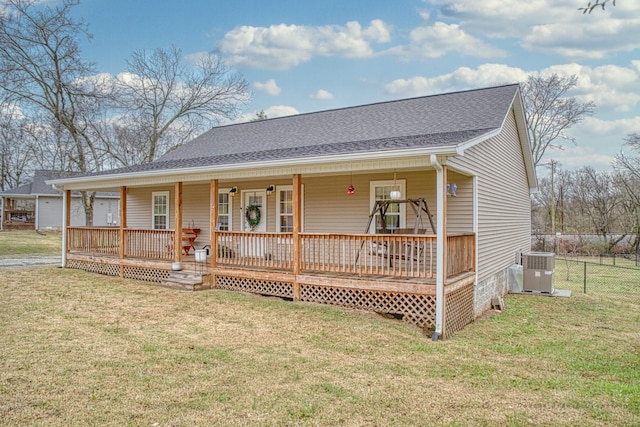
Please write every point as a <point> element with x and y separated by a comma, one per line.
<point>537,268</point>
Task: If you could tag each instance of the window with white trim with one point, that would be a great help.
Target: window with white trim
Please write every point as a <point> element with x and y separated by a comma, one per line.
<point>225,208</point>
<point>160,210</point>
<point>395,215</point>
<point>284,208</point>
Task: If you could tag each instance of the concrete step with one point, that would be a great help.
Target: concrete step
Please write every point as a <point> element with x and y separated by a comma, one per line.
<point>185,275</point>
<point>185,281</point>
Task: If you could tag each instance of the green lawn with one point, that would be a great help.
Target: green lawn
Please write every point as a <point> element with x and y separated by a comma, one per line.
<point>21,243</point>
<point>82,349</point>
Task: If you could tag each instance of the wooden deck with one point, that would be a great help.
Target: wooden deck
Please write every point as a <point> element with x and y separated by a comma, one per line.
<point>393,274</point>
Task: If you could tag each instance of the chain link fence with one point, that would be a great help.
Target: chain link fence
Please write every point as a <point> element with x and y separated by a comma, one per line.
<point>598,276</point>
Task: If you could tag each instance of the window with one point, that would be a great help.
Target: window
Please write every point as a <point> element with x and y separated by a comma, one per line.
<point>395,216</point>
<point>224,210</point>
<point>160,213</point>
<point>284,201</point>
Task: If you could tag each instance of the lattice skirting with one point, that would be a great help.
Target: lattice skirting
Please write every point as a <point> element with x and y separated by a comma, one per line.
<point>94,267</point>
<point>256,286</point>
<point>458,310</point>
<point>147,274</point>
<point>417,309</point>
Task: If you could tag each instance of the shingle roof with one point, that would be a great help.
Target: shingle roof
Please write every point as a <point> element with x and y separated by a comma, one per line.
<point>40,188</point>
<point>37,186</point>
<point>435,121</point>
<point>419,119</point>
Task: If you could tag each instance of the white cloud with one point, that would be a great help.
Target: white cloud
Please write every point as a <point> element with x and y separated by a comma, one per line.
<point>460,79</point>
<point>436,40</point>
<point>281,111</point>
<point>271,112</point>
<point>549,25</point>
<point>610,87</point>
<point>284,46</point>
<point>269,87</point>
<point>322,94</point>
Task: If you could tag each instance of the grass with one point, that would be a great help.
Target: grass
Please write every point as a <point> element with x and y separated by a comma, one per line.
<point>82,349</point>
<point>21,243</point>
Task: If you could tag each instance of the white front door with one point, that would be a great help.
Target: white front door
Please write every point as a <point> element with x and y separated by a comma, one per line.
<point>254,211</point>
<point>254,219</point>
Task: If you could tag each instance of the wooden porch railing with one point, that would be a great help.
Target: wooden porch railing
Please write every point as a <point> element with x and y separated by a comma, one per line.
<point>461,254</point>
<point>265,250</point>
<point>396,255</point>
<point>380,254</point>
<point>101,240</point>
<point>153,244</point>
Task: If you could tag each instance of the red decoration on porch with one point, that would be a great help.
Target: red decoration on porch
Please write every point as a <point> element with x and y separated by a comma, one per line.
<point>351,190</point>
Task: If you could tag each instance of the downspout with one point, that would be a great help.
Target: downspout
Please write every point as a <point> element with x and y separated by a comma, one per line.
<point>37,213</point>
<point>439,246</point>
<point>64,224</point>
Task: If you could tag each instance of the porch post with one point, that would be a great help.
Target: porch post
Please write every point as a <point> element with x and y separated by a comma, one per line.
<point>123,225</point>
<point>213,226</point>
<point>297,226</point>
<point>178,221</point>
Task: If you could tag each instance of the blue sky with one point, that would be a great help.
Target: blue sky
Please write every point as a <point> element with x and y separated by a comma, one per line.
<point>308,56</point>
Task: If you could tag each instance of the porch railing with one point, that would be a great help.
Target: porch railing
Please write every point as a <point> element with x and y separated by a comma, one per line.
<point>153,244</point>
<point>367,254</point>
<point>395,255</point>
<point>461,254</point>
<point>101,240</point>
<point>265,250</point>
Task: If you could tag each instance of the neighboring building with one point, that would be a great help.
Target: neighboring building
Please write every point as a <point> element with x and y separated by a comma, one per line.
<point>38,206</point>
<point>288,207</point>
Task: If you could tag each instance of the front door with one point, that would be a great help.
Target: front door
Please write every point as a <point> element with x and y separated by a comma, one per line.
<point>254,211</point>
<point>254,220</point>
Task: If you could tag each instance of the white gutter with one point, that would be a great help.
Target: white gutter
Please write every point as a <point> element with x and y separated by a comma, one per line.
<point>439,246</point>
<point>37,212</point>
<point>301,162</point>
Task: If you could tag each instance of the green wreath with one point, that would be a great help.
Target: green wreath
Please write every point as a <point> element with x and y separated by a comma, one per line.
<point>252,215</point>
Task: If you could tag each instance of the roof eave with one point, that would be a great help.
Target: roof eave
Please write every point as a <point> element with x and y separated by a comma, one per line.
<point>305,161</point>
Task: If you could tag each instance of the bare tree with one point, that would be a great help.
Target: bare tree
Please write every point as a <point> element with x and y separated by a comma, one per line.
<point>550,113</point>
<point>16,158</point>
<point>168,102</point>
<point>598,3</point>
<point>600,201</point>
<point>629,179</point>
<point>43,72</point>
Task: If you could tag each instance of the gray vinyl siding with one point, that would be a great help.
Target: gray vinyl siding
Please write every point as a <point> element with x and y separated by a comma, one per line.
<point>504,215</point>
<point>50,212</point>
<point>328,207</point>
<point>139,206</point>
<point>103,207</point>
<point>195,208</point>
<point>460,208</point>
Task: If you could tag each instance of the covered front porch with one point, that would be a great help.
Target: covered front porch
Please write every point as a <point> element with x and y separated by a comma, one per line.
<point>401,268</point>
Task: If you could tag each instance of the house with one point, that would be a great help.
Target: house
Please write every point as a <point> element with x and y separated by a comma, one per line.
<point>414,207</point>
<point>37,205</point>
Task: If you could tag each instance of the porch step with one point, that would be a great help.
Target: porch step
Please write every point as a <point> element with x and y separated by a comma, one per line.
<point>185,281</point>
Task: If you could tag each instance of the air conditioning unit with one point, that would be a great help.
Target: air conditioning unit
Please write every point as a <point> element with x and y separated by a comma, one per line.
<point>538,272</point>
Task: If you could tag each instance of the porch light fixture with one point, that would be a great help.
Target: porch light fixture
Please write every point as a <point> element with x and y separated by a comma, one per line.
<point>351,190</point>
<point>271,189</point>
<point>452,189</point>
<point>233,191</point>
